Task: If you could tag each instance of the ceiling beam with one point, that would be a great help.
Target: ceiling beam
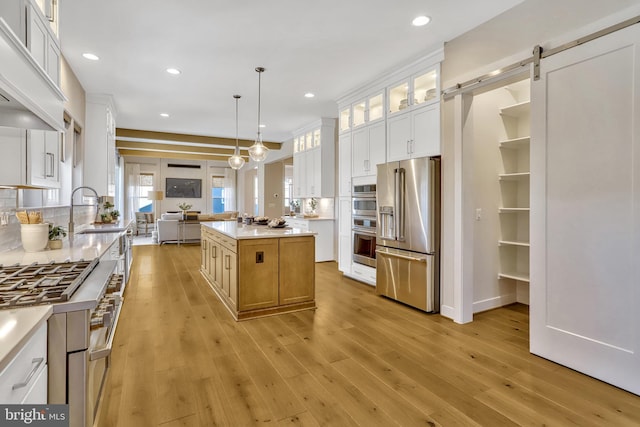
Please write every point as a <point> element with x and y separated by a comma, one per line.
<point>173,155</point>
<point>153,136</point>
<point>150,146</point>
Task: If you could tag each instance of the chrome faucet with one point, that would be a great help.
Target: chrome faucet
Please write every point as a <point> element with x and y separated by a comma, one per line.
<point>71,208</point>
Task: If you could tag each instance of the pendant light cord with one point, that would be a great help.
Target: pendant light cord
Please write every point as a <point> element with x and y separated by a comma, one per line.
<point>259,70</point>
<point>237,97</point>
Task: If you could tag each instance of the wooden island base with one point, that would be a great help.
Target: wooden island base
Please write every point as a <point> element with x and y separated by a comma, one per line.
<point>259,273</point>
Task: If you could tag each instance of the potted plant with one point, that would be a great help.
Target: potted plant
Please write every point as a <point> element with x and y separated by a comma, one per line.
<point>56,233</point>
<point>294,207</point>
<point>184,207</point>
<point>107,214</point>
<point>313,203</point>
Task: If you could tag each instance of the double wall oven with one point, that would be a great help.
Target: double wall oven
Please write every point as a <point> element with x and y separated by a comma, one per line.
<point>364,224</point>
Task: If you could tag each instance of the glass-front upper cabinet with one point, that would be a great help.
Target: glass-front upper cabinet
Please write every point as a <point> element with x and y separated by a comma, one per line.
<point>420,88</point>
<point>425,87</point>
<point>368,110</point>
<point>376,107</point>
<point>359,111</point>
<point>345,119</point>
<point>316,138</point>
<point>309,138</point>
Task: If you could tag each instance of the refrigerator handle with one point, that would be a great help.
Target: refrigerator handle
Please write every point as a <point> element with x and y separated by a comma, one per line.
<point>399,208</point>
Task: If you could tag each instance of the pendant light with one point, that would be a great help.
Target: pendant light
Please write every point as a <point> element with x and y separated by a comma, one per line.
<point>258,152</point>
<point>236,161</point>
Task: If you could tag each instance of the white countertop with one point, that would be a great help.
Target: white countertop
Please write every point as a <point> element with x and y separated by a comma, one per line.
<point>17,326</point>
<point>239,231</point>
<point>74,247</point>
<point>115,227</point>
<point>318,218</point>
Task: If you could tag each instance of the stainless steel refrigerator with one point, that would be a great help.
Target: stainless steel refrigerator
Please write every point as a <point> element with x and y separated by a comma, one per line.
<point>408,233</point>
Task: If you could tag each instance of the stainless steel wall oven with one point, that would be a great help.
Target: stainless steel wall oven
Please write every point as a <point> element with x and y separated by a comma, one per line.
<point>364,225</point>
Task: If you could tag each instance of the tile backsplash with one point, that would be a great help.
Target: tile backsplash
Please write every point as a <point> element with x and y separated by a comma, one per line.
<point>58,215</point>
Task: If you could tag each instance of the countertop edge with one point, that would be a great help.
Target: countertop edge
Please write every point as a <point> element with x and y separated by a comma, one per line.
<point>229,229</point>
<point>42,313</point>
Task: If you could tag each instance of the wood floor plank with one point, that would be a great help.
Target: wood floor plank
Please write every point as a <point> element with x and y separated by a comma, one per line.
<point>320,403</point>
<point>393,404</point>
<point>179,359</point>
<point>362,409</point>
<point>175,397</point>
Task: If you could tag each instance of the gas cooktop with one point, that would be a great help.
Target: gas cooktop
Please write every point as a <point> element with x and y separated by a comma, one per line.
<point>34,284</point>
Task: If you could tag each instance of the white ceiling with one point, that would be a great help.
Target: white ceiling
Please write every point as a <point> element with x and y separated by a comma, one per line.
<point>327,47</point>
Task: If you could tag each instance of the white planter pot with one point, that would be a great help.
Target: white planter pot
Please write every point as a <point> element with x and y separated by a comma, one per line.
<point>35,237</point>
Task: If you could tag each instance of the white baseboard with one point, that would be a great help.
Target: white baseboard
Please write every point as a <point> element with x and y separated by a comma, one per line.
<point>495,302</point>
<point>447,311</point>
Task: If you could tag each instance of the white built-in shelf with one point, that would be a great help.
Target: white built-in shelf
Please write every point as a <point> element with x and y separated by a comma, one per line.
<point>513,210</point>
<point>523,277</point>
<point>517,110</point>
<point>514,176</point>
<point>515,142</point>
<point>513,243</point>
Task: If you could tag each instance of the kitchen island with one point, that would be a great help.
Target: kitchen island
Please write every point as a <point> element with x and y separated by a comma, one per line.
<point>259,271</point>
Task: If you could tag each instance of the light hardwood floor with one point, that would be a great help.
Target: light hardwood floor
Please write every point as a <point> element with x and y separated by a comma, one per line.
<point>179,359</point>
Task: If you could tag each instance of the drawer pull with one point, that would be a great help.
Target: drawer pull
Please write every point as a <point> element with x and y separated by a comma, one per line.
<point>36,362</point>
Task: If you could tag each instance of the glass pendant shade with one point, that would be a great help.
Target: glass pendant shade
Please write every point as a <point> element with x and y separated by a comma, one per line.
<point>258,152</point>
<point>236,161</point>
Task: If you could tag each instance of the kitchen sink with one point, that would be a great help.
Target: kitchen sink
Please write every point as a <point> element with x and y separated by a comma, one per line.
<point>94,229</point>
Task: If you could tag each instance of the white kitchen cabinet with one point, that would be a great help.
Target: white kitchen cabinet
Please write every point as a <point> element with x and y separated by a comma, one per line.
<point>344,165</point>
<point>324,238</point>
<point>345,119</point>
<point>100,145</point>
<point>415,133</point>
<point>418,89</point>
<point>30,158</point>
<point>344,235</point>
<point>43,154</point>
<point>314,160</point>
<point>36,32</point>
<point>363,273</point>
<point>368,110</point>
<point>24,379</point>
<point>368,149</point>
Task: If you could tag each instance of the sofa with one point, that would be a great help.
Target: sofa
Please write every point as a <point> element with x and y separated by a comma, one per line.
<point>170,229</point>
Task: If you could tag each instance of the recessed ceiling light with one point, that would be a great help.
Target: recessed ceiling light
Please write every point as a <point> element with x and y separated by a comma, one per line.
<point>90,56</point>
<point>164,114</point>
<point>263,126</point>
<point>421,20</point>
<point>309,95</point>
<point>173,71</point>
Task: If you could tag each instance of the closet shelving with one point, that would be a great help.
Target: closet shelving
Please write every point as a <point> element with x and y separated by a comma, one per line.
<point>514,185</point>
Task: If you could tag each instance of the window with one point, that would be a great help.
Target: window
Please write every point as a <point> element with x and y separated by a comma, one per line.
<point>141,202</point>
<point>217,194</point>
<point>288,192</point>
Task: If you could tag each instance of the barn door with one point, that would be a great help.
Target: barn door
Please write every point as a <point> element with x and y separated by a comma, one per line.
<point>585,209</point>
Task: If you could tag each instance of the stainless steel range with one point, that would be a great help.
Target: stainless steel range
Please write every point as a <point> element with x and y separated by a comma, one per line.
<point>34,284</point>
<point>86,299</point>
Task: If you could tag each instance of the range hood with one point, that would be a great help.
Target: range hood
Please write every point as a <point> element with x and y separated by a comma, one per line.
<point>29,99</point>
